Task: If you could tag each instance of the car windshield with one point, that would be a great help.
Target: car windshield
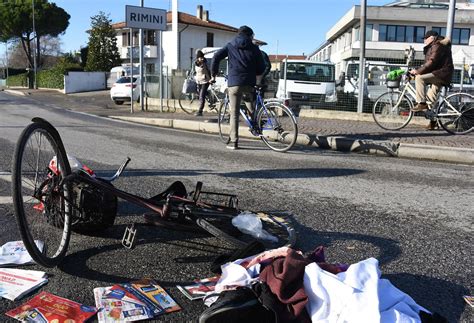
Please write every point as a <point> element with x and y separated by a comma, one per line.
<point>125,79</point>
<point>313,72</point>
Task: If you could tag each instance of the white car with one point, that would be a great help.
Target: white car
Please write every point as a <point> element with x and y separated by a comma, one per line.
<point>121,90</point>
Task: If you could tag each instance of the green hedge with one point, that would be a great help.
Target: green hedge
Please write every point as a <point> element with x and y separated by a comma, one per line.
<point>51,79</point>
<point>18,80</point>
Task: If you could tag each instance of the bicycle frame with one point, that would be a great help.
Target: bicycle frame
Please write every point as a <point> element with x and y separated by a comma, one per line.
<point>410,90</point>
<point>259,105</point>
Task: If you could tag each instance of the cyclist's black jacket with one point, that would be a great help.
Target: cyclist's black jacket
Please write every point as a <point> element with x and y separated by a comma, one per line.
<point>245,61</point>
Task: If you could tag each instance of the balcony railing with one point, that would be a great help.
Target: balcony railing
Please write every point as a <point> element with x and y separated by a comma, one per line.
<point>149,51</point>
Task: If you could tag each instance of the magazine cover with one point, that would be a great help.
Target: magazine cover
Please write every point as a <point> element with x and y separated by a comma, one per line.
<point>15,283</point>
<point>14,253</point>
<point>156,294</point>
<point>46,307</point>
<point>115,304</point>
<point>200,288</point>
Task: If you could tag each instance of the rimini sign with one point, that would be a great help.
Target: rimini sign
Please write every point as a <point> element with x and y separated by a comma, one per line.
<point>146,18</point>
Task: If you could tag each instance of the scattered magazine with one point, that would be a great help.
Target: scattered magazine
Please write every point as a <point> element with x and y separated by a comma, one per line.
<point>154,293</point>
<point>46,307</point>
<point>115,304</point>
<point>14,253</point>
<point>199,288</point>
<point>15,283</point>
<point>138,300</point>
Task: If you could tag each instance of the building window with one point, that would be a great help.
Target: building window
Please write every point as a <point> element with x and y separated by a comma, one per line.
<point>403,34</point>
<point>460,35</point>
<point>368,32</point>
<point>150,37</point>
<point>125,37</point>
<point>210,40</point>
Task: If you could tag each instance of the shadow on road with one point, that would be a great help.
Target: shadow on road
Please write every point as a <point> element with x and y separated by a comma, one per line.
<point>293,173</point>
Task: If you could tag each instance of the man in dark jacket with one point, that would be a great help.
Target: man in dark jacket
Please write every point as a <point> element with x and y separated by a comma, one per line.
<point>437,70</point>
<point>245,63</point>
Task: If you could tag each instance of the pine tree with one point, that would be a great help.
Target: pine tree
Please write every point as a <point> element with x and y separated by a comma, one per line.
<point>102,47</point>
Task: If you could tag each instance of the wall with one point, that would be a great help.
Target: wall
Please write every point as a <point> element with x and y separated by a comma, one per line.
<point>84,81</point>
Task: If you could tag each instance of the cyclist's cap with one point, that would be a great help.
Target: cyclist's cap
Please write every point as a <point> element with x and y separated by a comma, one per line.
<point>246,30</point>
<point>430,33</point>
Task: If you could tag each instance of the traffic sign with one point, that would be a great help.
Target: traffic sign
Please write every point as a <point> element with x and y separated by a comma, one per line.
<point>145,18</point>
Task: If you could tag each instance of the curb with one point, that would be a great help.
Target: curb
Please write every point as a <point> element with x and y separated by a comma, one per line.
<point>343,144</point>
<point>15,92</point>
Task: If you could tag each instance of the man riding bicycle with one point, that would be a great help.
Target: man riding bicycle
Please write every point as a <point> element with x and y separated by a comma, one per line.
<point>437,71</point>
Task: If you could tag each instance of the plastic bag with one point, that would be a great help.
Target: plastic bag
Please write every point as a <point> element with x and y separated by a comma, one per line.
<point>189,86</point>
<point>250,223</point>
<point>395,75</point>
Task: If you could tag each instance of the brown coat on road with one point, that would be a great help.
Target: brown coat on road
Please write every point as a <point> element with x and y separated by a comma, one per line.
<point>438,60</point>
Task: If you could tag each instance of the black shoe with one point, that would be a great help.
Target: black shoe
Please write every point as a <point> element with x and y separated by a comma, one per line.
<point>232,145</point>
<point>198,114</point>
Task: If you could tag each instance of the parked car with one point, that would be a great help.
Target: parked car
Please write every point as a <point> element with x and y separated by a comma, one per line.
<point>121,90</point>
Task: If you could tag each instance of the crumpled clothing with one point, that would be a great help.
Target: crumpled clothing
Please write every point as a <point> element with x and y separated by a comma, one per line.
<point>357,295</point>
<point>284,277</point>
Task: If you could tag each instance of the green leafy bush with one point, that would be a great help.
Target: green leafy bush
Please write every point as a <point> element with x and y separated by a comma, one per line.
<point>18,80</point>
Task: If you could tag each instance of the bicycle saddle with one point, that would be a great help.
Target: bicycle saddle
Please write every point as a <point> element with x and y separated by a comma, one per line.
<point>176,189</point>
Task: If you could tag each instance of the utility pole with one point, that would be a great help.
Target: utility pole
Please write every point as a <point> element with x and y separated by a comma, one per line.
<point>141,65</point>
<point>363,20</point>
<point>36,44</point>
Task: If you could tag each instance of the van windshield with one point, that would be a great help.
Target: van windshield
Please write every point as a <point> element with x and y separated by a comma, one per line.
<point>312,72</point>
<point>125,79</point>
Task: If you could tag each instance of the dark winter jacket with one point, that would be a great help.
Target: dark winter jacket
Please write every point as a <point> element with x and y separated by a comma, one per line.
<point>245,61</point>
<point>438,60</point>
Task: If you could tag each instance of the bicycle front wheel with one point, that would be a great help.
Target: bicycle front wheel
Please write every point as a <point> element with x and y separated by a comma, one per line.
<point>223,121</point>
<point>277,126</point>
<point>277,230</point>
<point>41,200</point>
<point>186,101</point>
<point>392,110</point>
<point>456,113</point>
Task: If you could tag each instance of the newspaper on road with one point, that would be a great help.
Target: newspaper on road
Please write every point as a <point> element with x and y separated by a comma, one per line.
<point>14,253</point>
<point>15,283</point>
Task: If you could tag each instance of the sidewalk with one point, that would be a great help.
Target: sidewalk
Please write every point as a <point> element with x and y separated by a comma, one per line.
<point>342,131</point>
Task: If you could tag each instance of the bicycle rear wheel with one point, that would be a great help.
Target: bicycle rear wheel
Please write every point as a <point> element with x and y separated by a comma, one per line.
<point>41,201</point>
<point>278,230</point>
<point>186,101</point>
<point>392,111</point>
<point>223,121</point>
<point>456,114</point>
<point>277,126</point>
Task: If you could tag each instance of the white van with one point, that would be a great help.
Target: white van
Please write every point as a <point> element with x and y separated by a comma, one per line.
<point>306,83</point>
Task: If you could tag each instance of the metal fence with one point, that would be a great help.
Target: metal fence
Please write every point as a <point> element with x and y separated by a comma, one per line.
<point>345,85</point>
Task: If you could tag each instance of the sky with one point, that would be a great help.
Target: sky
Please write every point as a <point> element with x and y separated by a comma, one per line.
<point>293,27</point>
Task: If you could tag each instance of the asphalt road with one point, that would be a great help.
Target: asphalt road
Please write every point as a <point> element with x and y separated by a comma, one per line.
<point>414,217</point>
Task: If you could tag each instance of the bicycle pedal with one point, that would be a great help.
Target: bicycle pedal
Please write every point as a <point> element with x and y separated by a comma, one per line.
<point>128,240</point>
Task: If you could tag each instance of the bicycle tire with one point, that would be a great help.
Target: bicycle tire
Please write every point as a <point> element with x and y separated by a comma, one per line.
<point>457,124</point>
<point>223,121</point>
<point>220,224</point>
<point>390,117</point>
<point>45,217</point>
<point>277,126</point>
<point>185,101</point>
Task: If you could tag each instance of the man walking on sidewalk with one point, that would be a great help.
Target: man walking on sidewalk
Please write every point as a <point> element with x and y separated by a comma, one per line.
<point>245,63</point>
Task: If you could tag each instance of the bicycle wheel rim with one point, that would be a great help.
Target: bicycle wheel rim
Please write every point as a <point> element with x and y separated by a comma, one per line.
<point>223,122</point>
<point>390,116</point>
<point>45,218</point>
<point>277,126</point>
<point>462,121</point>
<point>185,102</point>
<point>277,229</point>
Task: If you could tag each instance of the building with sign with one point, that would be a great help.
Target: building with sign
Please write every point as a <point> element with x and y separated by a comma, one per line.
<point>184,34</point>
